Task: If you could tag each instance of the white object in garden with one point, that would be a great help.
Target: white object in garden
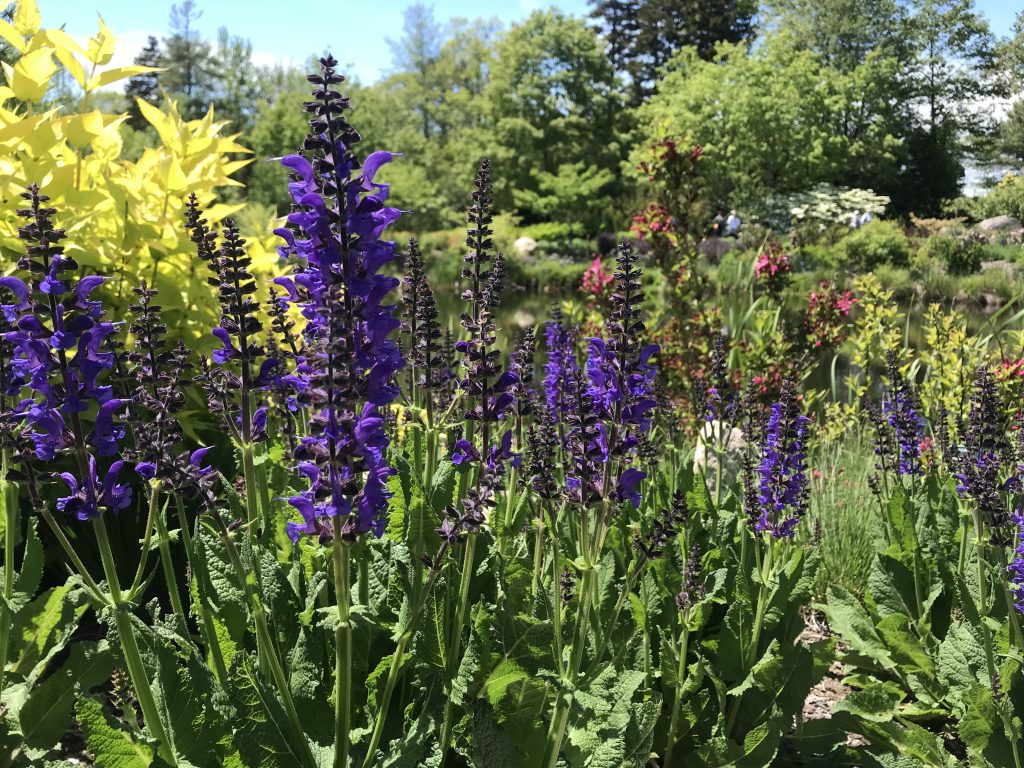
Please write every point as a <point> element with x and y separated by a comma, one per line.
<point>714,444</point>
<point>524,246</point>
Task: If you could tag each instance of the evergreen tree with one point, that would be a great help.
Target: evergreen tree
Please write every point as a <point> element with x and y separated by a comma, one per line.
<point>642,35</point>
<point>145,86</point>
<point>187,57</point>
<point>619,23</point>
<point>235,83</point>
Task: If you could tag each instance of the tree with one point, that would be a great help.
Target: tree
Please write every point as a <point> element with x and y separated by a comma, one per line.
<point>643,35</point>
<point>414,57</point>
<point>555,105</point>
<point>187,57</point>
<point>145,86</point>
<point>619,24</point>
<point>235,86</point>
<point>776,119</point>
<point>952,71</point>
<point>844,32</point>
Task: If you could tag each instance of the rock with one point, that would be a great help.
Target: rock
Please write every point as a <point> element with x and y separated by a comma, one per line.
<point>524,246</point>
<point>714,248</point>
<point>1008,268</point>
<point>712,443</point>
<point>997,223</point>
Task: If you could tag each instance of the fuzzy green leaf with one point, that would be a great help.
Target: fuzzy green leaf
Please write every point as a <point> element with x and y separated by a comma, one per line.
<point>46,714</point>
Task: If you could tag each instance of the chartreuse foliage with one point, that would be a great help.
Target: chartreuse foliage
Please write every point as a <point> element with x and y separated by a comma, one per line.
<point>123,216</point>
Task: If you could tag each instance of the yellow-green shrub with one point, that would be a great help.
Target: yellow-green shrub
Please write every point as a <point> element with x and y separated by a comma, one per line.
<point>123,219</point>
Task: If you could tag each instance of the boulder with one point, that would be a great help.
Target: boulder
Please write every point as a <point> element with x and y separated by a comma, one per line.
<point>524,246</point>
<point>714,248</point>
<point>1008,268</point>
<point>997,224</point>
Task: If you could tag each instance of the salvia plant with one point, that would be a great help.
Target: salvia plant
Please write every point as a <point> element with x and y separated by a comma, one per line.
<point>391,542</point>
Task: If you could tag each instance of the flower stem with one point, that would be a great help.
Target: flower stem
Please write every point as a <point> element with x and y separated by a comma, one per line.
<point>560,717</point>
<point>130,647</point>
<point>456,638</point>
<point>166,561</point>
<point>342,649</point>
<point>678,700</point>
<point>270,661</point>
<point>9,498</point>
<point>396,663</point>
<point>206,625</point>
<point>253,512</point>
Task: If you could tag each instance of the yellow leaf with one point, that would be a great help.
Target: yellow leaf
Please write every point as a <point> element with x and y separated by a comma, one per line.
<point>72,65</point>
<point>58,38</point>
<point>82,129</point>
<point>26,17</point>
<point>101,45</point>
<point>163,124</point>
<point>10,34</point>
<point>119,73</point>
<point>30,76</point>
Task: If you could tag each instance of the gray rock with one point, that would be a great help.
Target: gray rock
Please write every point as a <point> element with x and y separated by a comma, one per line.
<point>714,248</point>
<point>997,223</point>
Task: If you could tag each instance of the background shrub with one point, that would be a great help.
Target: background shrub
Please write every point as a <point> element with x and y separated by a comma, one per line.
<point>959,256</point>
<point>875,244</point>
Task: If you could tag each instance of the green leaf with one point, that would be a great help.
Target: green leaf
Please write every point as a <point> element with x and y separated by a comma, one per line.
<point>46,714</point>
<point>261,727</point>
<point>113,745</point>
<point>906,650</point>
<point>848,618</point>
<point>876,703</point>
<point>44,626</point>
<point>962,663</point>
<point>224,596</point>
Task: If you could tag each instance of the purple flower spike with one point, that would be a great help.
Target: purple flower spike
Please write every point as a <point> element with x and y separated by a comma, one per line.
<point>346,371</point>
<point>782,486</point>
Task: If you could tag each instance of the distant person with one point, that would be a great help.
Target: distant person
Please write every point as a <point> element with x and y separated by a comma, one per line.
<point>717,224</point>
<point>732,224</point>
<point>855,220</point>
<point>865,218</point>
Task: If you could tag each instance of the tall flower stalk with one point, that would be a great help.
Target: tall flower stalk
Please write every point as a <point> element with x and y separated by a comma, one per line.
<point>608,413</point>
<point>350,359</point>
<point>59,338</point>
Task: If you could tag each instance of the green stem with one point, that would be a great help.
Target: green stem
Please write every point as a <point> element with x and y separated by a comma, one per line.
<point>750,656</point>
<point>538,555</point>
<point>270,661</point>
<point>563,706</point>
<point>678,700</point>
<point>1011,608</point>
<point>396,663</point>
<point>342,649</point>
<point>9,497</point>
<point>206,625</point>
<point>164,542</point>
<point>979,552</point>
<point>456,638</point>
<point>253,512</point>
<point>69,550</point>
<point>130,647</point>
<point>140,569</point>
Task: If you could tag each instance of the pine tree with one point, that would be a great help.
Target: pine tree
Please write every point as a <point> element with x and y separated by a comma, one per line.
<point>145,86</point>
<point>619,23</point>
<point>642,35</point>
<point>188,59</point>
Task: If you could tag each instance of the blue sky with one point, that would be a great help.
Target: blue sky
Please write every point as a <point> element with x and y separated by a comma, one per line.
<point>356,31</point>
